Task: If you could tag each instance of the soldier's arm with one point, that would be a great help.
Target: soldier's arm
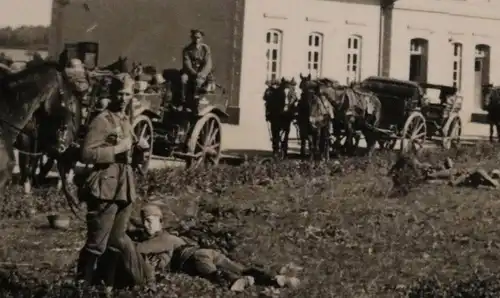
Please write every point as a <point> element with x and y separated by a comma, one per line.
<point>94,149</point>
<point>207,68</point>
<point>187,63</point>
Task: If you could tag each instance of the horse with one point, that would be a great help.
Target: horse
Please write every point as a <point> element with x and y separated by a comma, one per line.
<point>491,104</point>
<point>354,109</point>
<point>280,104</point>
<point>42,92</point>
<point>315,116</point>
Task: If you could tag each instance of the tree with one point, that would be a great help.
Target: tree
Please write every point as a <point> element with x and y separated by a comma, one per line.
<point>25,37</point>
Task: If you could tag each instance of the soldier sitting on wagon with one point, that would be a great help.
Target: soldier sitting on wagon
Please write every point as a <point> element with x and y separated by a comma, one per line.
<point>197,69</point>
<point>163,252</point>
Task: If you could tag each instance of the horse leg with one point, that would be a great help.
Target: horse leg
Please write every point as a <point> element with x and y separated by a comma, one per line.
<point>45,169</point>
<point>326,142</point>
<point>284,141</point>
<point>24,165</point>
<point>349,134</point>
<point>491,123</point>
<point>7,162</point>
<point>370,141</point>
<point>303,135</point>
<point>497,126</point>
<point>275,137</point>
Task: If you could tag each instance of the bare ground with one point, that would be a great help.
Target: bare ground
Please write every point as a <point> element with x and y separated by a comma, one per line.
<point>338,223</point>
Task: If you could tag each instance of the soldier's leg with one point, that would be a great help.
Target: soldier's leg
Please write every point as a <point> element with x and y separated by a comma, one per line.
<point>205,263</point>
<point>100,217</point>
<point>124,249</point>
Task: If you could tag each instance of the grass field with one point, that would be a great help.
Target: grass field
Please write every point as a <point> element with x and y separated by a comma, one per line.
<point>337,222</point>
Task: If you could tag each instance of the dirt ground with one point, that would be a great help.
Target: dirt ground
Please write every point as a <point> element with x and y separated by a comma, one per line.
<point>340,223</point>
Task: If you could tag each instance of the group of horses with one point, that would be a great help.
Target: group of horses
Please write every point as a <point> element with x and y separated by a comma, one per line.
<point>324,109</point>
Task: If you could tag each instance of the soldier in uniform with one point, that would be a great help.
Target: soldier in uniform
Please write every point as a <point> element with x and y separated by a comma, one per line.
<point>197,66</point>
<point>109,189</point>
<point>166,252</point>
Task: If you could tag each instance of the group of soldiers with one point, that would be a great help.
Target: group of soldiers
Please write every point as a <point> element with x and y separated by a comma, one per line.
<point>117,254</point>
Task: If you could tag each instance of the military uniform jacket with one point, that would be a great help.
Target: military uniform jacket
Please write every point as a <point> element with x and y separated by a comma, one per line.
<point>165,250</point>
<point>109,179</point>
<point>197,60</point>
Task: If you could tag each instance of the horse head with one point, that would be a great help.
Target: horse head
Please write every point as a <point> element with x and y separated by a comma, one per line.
<point>280,95</point>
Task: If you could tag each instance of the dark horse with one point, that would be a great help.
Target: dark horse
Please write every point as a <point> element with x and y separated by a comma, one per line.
<point>491,104</point>
<point>42,92</point>
<point>280,104</point>
<point>355,109</point>
<point>315,117</point>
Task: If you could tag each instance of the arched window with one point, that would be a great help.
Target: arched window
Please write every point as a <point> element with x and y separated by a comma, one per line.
<point>457,65</point>
<point>419,53</point>
<point>274,40</point>
<point>354,46</point>
<point>315,54</point>
<point>481,72</point>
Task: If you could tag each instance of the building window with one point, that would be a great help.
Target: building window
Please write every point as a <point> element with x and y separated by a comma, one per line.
<point>419,55</point>
<point>457,65</point>
<point>354,45</point>
<point>315,54</point>
<point>274,39</point>
<point>481,72</point>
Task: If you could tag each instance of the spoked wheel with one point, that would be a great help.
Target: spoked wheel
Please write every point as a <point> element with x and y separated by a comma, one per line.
<point>414,133</point>
<point>452,137</point>
<point>204,145</point>
<point>143,128</point>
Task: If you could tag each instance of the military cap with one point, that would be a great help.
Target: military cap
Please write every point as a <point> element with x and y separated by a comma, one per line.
<point>151,210</point>
<point>194,31</point>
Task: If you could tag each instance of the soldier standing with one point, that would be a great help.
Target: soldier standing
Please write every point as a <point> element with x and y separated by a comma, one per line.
<point>109,189</point>
<point>197,65</point>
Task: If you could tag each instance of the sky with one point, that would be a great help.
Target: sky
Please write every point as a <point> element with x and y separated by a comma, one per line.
<point>25,12</point>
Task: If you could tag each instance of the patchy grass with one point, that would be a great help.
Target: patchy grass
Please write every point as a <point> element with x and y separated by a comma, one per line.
<point>338,222</point>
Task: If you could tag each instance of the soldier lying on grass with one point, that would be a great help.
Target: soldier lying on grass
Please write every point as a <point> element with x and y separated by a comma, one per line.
<point>163,252</point>
<point>473,177</point>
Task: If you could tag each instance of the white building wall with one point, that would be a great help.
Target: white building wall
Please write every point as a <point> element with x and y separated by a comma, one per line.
<point>297,19</point>
<point>442,23</point>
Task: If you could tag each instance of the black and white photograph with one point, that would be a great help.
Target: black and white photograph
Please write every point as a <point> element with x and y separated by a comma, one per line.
<point>249,148</point>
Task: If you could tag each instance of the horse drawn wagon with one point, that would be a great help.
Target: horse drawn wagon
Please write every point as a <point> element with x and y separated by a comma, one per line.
<point>411,117</point>
<point>441,110</point>
<point>158,115</point>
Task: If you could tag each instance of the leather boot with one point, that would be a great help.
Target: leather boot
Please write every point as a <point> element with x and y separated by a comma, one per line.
<point>110,270</point>
<point>86,266</point>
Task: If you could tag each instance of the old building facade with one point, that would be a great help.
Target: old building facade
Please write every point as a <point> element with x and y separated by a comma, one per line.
<point>452,42</point>
<point>447,42</point>
<point>337,39</point>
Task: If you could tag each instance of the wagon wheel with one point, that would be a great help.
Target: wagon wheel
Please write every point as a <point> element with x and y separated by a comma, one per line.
<point>143,128</point>
<point>414,133</point>
<point>452,137</point>
<point>204,144</point>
